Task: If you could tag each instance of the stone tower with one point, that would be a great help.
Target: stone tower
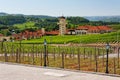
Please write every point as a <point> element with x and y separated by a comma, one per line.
<point>62,25</point>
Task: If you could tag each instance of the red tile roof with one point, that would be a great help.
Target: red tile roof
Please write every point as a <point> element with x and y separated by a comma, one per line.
<point>68,30</point>
<point>52,33</point>
<point>104,28</point>
<point>82,28</point>
<point>1,34</point>
<point>94,28</point>
<point>28,34</point>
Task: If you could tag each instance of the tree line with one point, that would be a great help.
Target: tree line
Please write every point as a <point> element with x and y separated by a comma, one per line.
<point>50,23</point>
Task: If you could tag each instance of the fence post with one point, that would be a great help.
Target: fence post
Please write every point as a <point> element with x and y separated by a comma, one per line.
<point>41,56</point>
<point>2,45</point>
<point>107,51</point>
<point>28,54</point>
<point>54,54</point>
<point>63,59</point>
<point>96,62</point>
<point>47,58</point>
<point>114,66</point>
<point>78,59</point>
<point>103,57</point>
<point>19,52</point>
<point>12,51</point>
<point>70,53</point>
<point>118,57</point>
<point>59,51</point>
<point>2,51</point>
<point>23,54</point>
<point>84,53</point>
<point>6,57</point>
<point>90,57</point>
<point>17,56</point>
<point>36,51</point>
<point>33,55</point>
<point>73,52</point>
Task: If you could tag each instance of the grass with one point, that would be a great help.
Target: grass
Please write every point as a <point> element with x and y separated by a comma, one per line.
<point>87,64</point>
<point>23,48</point>
<point>89,38</point>
<point>115,26</point>
<point>87,59</point>
<point>26,25</point>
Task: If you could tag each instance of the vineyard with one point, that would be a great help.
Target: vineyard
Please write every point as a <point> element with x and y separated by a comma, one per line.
<point>84,58</point>
<point>85,39</point>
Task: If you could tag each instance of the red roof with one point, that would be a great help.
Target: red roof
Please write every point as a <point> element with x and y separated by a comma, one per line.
<point>94,28</point>
<point>83,28</point>
<point>52,33</point>
<point>14,35</point>
<point>39,31</point>
<point>28,34</point>
<point>26,31</point>
<point>1,34</point>
<point>104,28</point>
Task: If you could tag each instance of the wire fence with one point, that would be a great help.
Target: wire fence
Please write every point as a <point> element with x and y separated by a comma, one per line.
<point>84,58</point>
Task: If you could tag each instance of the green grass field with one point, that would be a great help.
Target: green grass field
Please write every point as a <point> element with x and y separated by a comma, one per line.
<point>89,38</point>
<point>115,26</point>
<point>24,48</point>
<point>26,25</point>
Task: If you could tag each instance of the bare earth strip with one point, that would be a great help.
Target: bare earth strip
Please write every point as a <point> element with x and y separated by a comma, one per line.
<point>20,72</point>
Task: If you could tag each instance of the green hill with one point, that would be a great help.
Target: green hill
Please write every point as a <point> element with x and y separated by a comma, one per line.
<point>104,18</point>
<point>26,25</point>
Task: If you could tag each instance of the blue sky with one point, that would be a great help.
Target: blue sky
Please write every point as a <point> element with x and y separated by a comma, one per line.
<point>59,7</point>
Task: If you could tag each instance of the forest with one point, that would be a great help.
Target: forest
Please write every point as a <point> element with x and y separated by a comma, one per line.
<point>22,22</point>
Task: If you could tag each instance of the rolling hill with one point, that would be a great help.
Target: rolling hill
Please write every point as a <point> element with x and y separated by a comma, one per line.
<point>104,18</point>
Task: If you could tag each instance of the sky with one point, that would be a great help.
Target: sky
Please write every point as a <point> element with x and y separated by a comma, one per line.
<point>61,7</point>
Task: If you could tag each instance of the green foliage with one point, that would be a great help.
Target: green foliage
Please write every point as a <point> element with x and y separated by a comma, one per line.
<point>48,24</point>
<point>51,24</point>
<point>11,46</point>
<point>26,25</point>
<point>90,38</point>
<point>5,32</point>
<point>77,20</point>
<point>10,20</point>
<point>115,26</point>
<point>20,23</point>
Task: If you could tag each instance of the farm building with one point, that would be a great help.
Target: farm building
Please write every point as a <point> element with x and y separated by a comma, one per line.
<point>92,29</point>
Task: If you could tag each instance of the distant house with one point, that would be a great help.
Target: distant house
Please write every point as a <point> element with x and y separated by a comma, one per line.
<point>93,29</point>
<point>52,33</point>
<point>104,29</point>
<point>3,38</point>
<point>71,32</point>
<point>28,35</point>
<point>1,35</point>
<point>81,30</point>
